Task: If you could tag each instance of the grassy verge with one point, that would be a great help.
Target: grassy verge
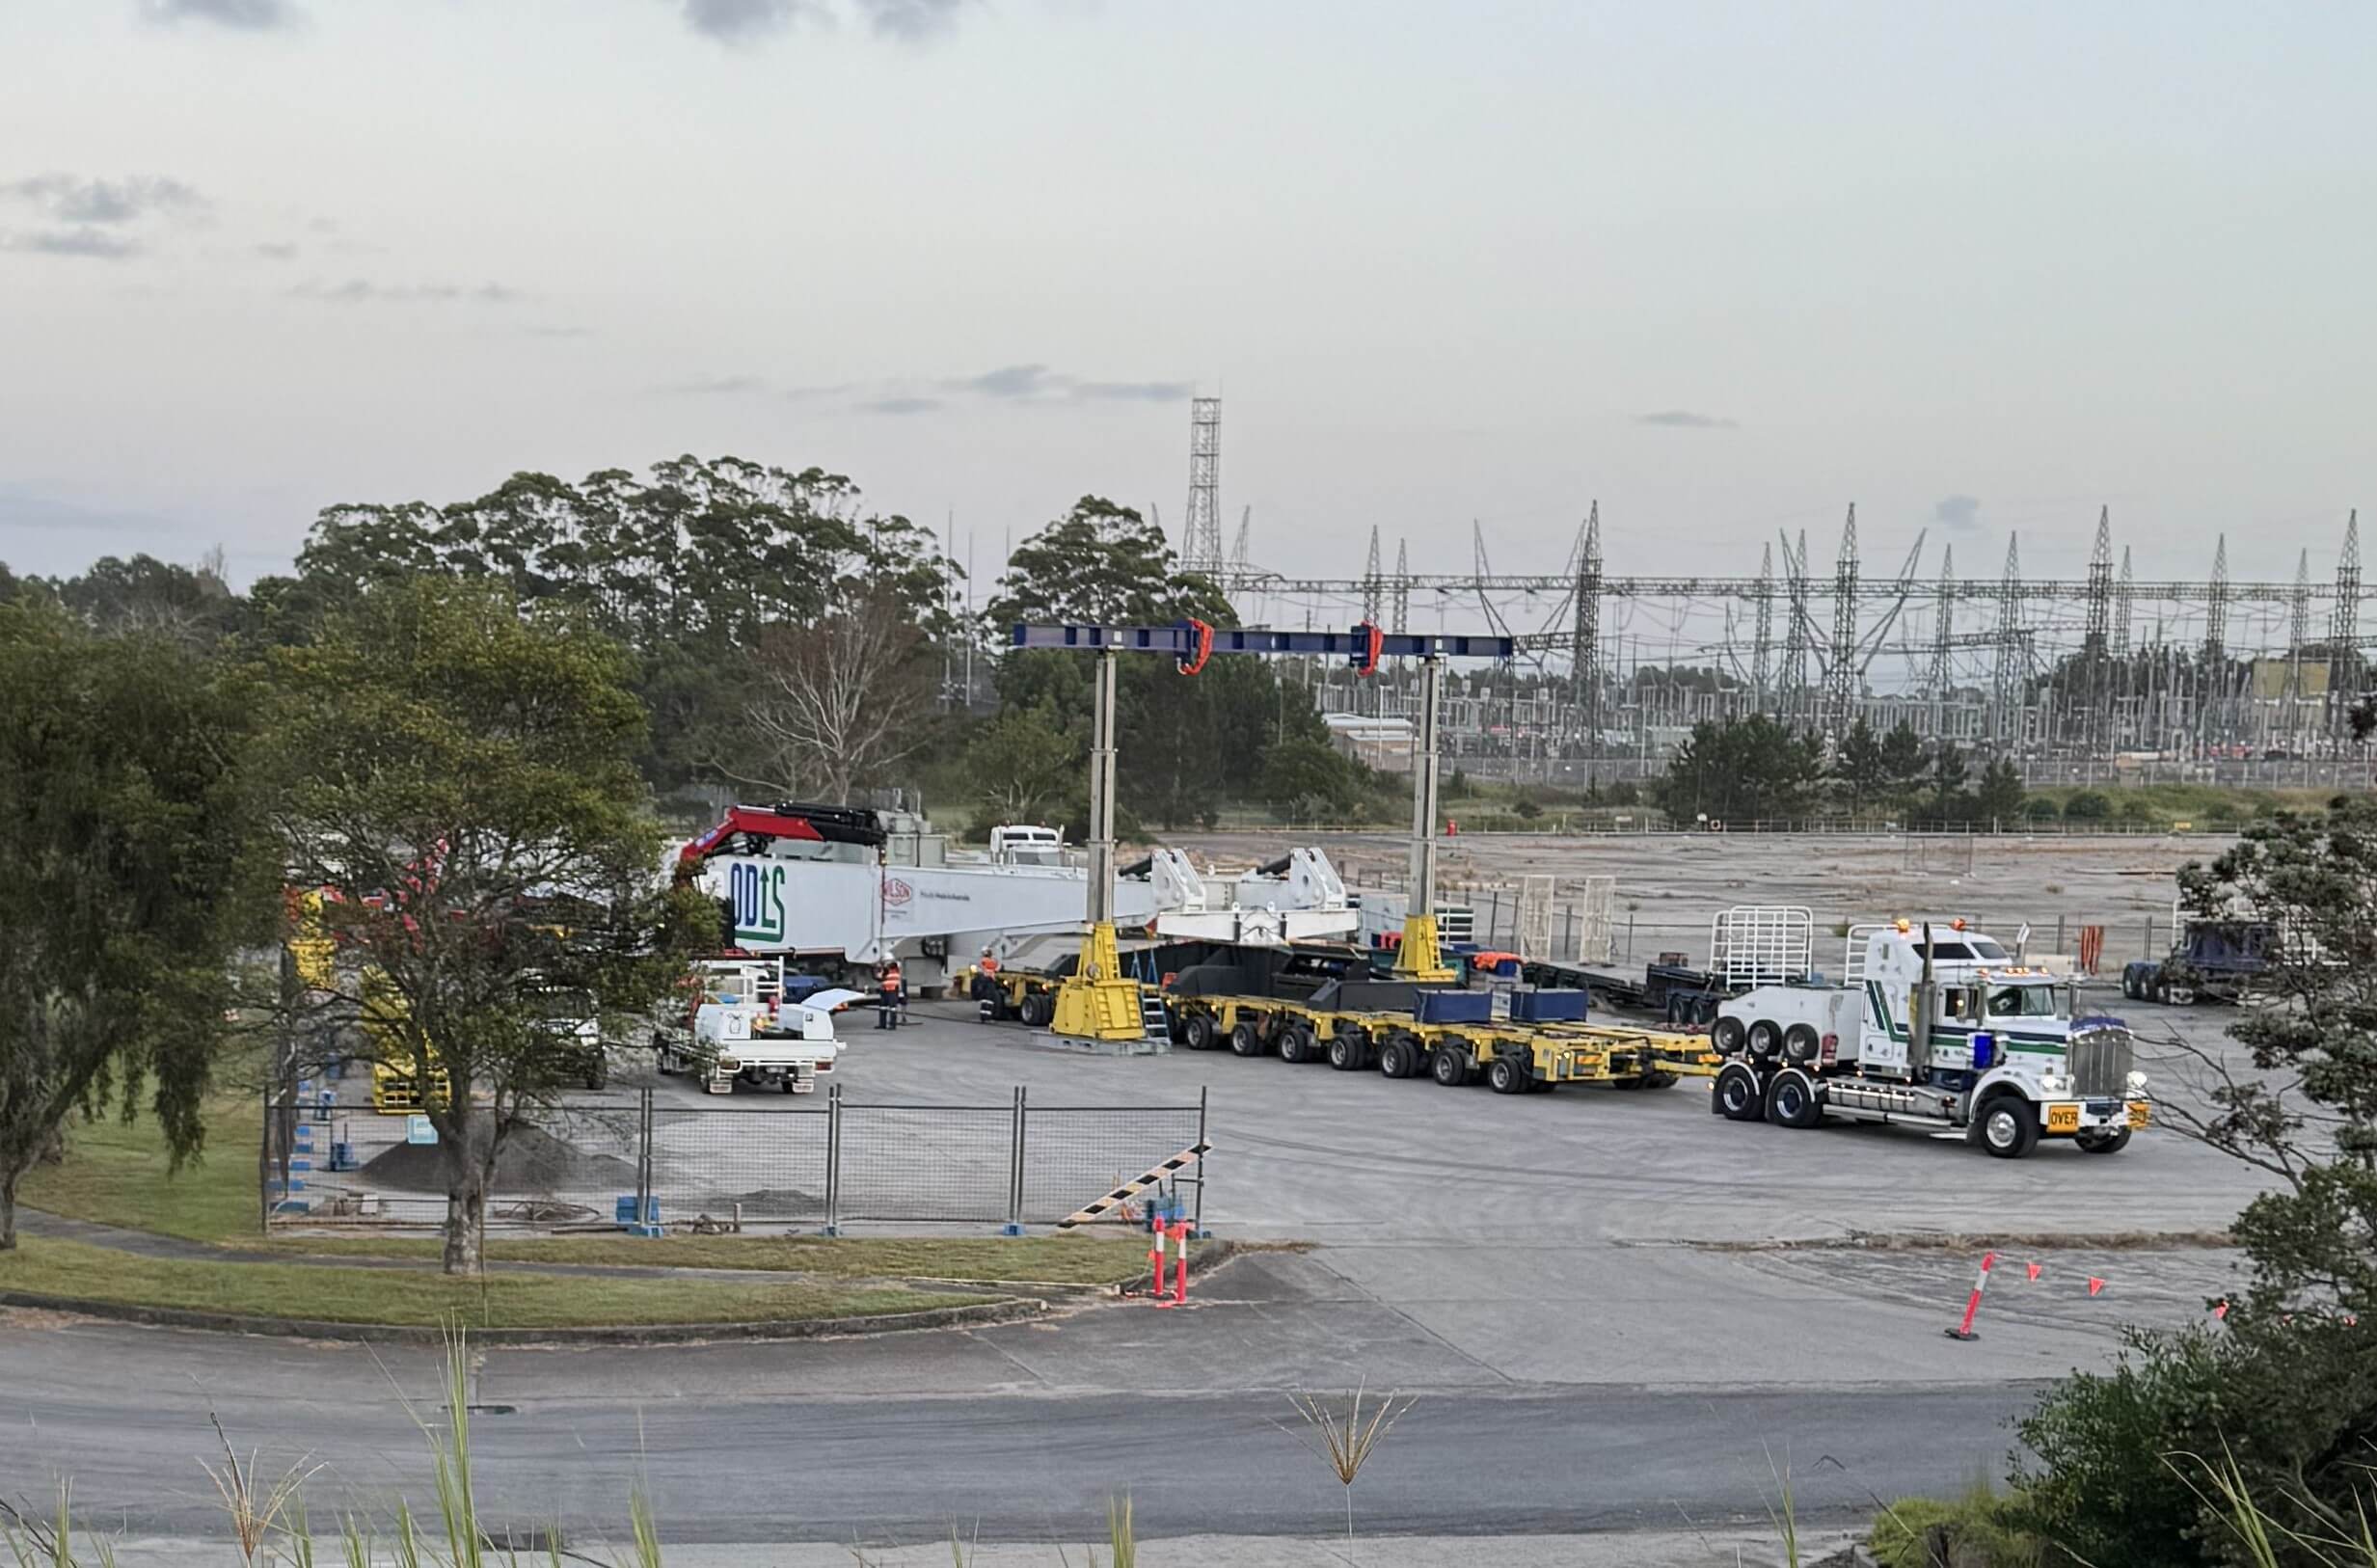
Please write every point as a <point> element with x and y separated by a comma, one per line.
<point>426,1300</point>
<point>1024,1260</point>
<point>117,1175</point>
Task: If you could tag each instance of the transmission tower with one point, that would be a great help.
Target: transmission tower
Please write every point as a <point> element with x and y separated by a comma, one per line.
<point>2095,639</point>
<point>1201,536</point>
<point>2120,610</point>
<point>1841,672</point>
<point>1584,671</point>
<point>1794,696</point>
<point>2216,609</point>
<point>1238,546</point>
<point>2344,626</point>
<point>1373,585</point>
<point>1402,596</point>
<point>1762,598</point>
<point>2006,724</point>
<point>2298,632</point>
<point>1943,639</point>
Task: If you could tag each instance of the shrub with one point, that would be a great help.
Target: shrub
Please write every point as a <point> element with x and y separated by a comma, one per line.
<point>2086,806</point>
<point>2101,1487</point>
<point>2039,808</point>
<point>1977,1528</point>
<point>1526,809</point>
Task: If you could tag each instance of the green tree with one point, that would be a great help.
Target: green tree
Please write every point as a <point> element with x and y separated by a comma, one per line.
<point>1740,770</point>
<point>1311,779</point>
<point>1902,759</point>
<point>460,781</point>
<point>134,873</point>
<point>1999,795</point>
<point>2086,806</point>
<point>1859,769</point>
<point>1100,564</point>
<point>1025,764</point>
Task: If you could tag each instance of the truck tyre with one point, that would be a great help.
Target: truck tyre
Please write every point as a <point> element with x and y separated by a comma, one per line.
<point>1799,1043</point>
<point>1792,1101</point>
<point>1245,1039</point>
<point>2178,993</point>
<point>1766,1038</point>
<point>1297,1045</point>
<point>2007,1126</point>
<point>663,1060</point>
<point>1738,1096</point>
<point>1727,1035</point>
<point>2104,1143</point>
<point>1198,1034</point>
<point>1506,1076</point>
<point>1398,1057</point>
<point>1449,1065</point>
<point>1038,1010</point>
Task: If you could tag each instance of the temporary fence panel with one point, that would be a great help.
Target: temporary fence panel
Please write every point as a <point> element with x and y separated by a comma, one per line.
<point>1073,1153</point>
<point>763,1166</point>
<point>1596,934</point>
<point>925,1162</point>
<point>1534,932</point>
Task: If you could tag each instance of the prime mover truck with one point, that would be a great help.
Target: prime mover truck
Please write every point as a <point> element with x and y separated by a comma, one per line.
<point>1935,1025</point>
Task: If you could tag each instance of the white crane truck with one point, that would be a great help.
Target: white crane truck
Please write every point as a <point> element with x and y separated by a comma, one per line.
<point>1934,1025</point>
<point>743,1029</point>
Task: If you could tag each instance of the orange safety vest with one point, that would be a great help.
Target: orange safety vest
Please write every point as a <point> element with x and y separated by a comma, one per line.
<point>891,979</point>
<point>989,965</point>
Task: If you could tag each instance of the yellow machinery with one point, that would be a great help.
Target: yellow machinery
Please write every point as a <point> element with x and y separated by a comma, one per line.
<point>1097,1000</point>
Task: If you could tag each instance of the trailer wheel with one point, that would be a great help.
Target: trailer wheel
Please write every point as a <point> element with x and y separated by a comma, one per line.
<point>1398,1057</point>
<point>1738,1096</point>
<point>2007,1126</point>
<point>1038,1010</point>
<point>2104,1143</point>
<point>1199,1032</point>
<point>1244,1040</point>
<point>1297,1045</point>
<point>1799,1043</point>
<point>1792,1101</point>
<point>1449,1065</point>
<point>1349,1050</point>
<point>1506,1076</point>
<point>1766,1039</point>
<point>1727,1035</point>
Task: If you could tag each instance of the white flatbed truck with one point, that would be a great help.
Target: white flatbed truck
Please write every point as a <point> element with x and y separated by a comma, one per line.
<point>743,1029</point>
<point>1934,1025</point>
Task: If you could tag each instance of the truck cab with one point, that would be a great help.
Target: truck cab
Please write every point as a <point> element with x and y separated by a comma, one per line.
<point>1934,1022</point>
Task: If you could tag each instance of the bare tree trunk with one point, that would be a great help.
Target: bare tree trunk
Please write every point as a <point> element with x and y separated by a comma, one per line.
<point>8,1210</point>
<point>465,1217</point>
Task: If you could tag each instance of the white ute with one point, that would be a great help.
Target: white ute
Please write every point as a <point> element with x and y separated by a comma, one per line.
<point>744,1030</point>
<point>1936,1026</point>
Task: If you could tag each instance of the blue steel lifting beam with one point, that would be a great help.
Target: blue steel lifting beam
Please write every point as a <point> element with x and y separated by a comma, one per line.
<point>1191,643</point>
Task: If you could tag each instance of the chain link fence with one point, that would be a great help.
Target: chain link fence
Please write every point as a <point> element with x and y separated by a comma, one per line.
<point>602,1162</point>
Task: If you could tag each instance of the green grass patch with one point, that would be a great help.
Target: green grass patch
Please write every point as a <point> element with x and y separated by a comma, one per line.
<point>1070,1259</point>
<point>1977,1528</point>
<point>116,1174</point>
<point>426,1300</point>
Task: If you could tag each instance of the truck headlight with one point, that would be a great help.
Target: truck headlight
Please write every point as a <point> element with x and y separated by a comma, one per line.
<point>2052,1084</point>
<point>2137,1083</point>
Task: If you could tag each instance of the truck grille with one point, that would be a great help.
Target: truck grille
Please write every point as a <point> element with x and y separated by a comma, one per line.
<point>2100,1059</point>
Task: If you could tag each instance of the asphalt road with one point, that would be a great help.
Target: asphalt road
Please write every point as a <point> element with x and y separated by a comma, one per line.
<point>124,1414</point>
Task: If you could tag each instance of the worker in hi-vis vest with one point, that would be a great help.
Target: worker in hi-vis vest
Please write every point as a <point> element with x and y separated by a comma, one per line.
<point>887,999</point>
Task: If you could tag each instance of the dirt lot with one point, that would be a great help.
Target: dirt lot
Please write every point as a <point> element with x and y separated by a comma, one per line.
<point>1669,886</point>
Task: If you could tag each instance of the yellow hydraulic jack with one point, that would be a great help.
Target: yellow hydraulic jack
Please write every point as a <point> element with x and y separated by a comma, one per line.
<point>1097,1000</point>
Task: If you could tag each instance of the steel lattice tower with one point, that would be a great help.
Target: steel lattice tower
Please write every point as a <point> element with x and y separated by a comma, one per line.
<point>1201,536</point>
<point>1762,650</point>
<point>1373,585</point>
<point>1841,671</point>
<point>1401,597</point>
<point>2095,639</point>
<point>2121,608</point>
<point>1943,639</point>
<point>1584,669</point>
<point>2216,609</point>
<point>2344,625</point>
<point>2006,724</point>
<point>1793,698</point>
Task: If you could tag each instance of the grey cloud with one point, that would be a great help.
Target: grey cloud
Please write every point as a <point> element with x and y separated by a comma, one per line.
<point>1957,511</point>
<point>1008,381</point>
<point>254,16</point>
<point>278,250</point>
<point>738,22</point>
<point>86,241</point>
<point>69,198</point>
<point>912,20</point>
<point>1682,419</point>
<point>899,405</point>
<point>360,291</point>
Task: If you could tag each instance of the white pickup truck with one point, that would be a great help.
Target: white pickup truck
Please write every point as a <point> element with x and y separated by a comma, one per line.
<point>742,1028</point>
<point>1935,1025</point>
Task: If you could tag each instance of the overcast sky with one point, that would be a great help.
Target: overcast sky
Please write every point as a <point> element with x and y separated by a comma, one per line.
<point>1723,267</point>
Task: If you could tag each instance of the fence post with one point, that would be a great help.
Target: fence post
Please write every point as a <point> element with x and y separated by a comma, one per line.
<point>643,1158</point>
<point>2149,937</point>
<point>833,1160</point>
<point>1015,1171</point>
<point>263,1168</point>
<point>2059,933</point>
<point>1196,1221</point>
